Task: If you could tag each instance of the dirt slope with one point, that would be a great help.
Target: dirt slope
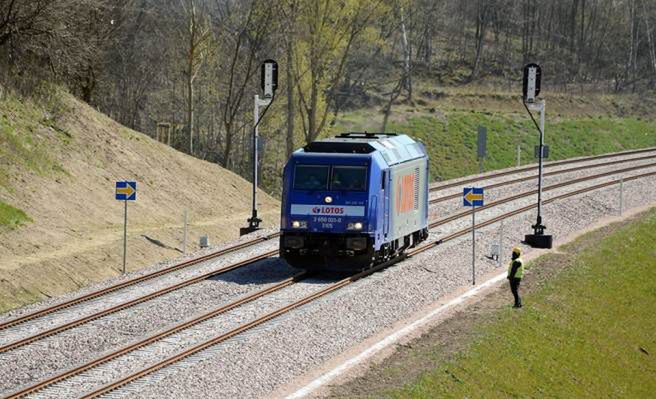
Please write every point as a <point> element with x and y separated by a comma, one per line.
<point>60,170</point>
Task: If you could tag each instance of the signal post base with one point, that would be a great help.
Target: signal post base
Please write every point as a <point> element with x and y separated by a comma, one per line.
<point>539,240</point>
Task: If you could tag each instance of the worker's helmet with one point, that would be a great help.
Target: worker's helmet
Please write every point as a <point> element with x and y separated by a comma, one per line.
<point>517,250</point>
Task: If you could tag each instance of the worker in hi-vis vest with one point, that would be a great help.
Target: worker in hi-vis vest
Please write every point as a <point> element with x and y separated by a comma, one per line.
<point>515,274</point>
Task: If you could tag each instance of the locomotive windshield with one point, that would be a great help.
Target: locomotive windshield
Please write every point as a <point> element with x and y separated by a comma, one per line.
<point>311,177</point>
<point>349,178</point>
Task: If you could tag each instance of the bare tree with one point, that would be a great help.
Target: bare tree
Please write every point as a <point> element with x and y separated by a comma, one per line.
<point>198,35</point>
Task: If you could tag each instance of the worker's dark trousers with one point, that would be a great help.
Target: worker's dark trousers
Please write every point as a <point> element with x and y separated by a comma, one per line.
<point>514,287</point>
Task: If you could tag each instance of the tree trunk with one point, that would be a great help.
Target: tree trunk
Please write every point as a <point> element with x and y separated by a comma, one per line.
<point>407,76</point>
<point>290,95</point>
<point>190,112</point>
<point>481,26</point>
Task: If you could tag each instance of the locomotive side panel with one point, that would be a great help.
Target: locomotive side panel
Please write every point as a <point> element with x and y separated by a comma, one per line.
<point>407,198</point>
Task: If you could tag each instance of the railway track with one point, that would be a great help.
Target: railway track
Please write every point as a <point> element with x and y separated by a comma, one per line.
<point>534,192</point>
<point>134,302</point>
<point>282,310</point>
<point>554,173</point>
<point>240,246</point>
<point>535,167</point>
<point>133,281</point>
<point>108,311</point>
<point>125,305</point>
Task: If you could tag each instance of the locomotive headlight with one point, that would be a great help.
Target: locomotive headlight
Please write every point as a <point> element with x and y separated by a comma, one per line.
<point>299,224</point>
<point>354,226</point>
<point>328,199</point>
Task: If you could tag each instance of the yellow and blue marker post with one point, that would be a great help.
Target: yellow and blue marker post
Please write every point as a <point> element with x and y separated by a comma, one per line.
<point>473,196</point>
<point>126,191</point>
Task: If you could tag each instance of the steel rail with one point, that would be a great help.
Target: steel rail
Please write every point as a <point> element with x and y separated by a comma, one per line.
<point>244,327</point>
<point>156,337</point>
<point>528,208</point>
<point>127,283</point>
<point>114,309</point>
<point>547,165</point>
<point>532,192</point>
<point>556,172</point>
<point>285,309</point>
<point>240,246</point>
<point>136,301</point>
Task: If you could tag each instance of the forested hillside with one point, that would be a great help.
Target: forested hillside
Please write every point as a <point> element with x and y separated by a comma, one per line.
<point>192,66</point>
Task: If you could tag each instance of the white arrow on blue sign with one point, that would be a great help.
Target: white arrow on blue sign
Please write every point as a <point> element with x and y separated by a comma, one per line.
<point>126,190</point>
<point>473,196</point>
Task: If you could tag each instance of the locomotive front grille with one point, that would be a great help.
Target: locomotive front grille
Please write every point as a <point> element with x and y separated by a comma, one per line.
<point>325,244</point>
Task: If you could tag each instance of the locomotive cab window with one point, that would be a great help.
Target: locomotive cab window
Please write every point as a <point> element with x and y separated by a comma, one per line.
<point>349,178</point>
<point>311,177</point>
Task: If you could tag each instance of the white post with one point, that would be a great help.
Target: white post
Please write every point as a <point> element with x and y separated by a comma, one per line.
<point>519,155</point>
<point>125,234</point>
<point>184,235</point>
<point>474,245</point>
<point>499,261</point>
<point>621,196</point>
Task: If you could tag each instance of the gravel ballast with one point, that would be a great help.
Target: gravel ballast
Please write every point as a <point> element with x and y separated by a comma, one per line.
<point>274,354</point>
<point>261,363</point>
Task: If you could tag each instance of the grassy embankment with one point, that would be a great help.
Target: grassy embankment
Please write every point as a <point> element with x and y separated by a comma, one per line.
<point>588,333</point>
<point>451,137</point>
<point>23,148</point>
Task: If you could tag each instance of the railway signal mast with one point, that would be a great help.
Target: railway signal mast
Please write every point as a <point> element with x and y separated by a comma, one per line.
<point>531,91</point>
<point>269,84</point>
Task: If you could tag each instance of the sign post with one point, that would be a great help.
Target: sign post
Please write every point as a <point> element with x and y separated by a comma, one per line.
<point>473,197</point>
<point>531,91</point>
<point>269,84</point>
<point>126,191</point>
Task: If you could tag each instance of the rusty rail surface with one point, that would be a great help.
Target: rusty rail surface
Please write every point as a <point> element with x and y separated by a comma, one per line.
<point>535,167</point>
<point>323,292</point>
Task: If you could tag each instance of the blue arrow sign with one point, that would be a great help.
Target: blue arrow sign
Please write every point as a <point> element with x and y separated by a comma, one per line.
<point>473,196</point>
<point>126,190</point>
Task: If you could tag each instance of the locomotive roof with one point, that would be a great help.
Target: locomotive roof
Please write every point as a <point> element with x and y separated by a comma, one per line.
<point>395,148</point>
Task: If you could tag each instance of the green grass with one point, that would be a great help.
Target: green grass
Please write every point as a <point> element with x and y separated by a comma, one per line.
<point>12,217</point>
<point>27,134</point>
<point>578,337</point>
<point>451,137</point>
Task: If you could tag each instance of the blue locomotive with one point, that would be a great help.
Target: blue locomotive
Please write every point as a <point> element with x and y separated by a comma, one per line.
<point>354,200</point>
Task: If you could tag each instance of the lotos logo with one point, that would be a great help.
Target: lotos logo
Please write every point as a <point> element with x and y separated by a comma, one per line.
<point>328,210</point>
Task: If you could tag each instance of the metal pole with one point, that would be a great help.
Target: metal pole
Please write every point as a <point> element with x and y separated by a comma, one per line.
<point>184,238</point>
<point>125,234</point>
<point>621,196</point>
<point>539,229</point>
<point>519,155</point>
<point>256,115</point>
<point>474,245</point>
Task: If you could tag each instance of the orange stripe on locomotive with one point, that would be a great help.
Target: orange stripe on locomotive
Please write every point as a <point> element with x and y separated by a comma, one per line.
<point>405,193</point>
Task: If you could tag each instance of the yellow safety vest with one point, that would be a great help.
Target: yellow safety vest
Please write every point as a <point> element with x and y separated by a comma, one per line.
<point>520,270</point>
